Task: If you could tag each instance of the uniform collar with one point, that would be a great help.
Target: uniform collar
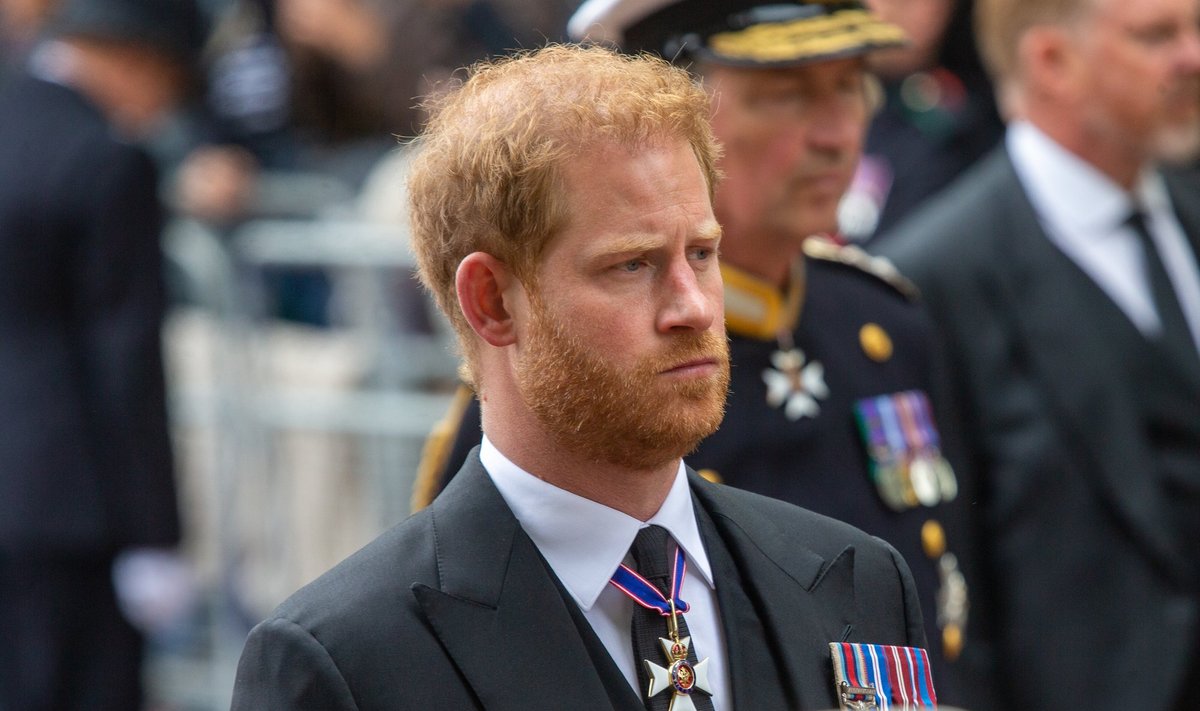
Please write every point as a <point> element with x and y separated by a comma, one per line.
<point>758,309</point>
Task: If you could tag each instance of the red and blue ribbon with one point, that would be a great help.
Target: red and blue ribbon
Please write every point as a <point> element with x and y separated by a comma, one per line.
<point>644,593</point>
<point>899,675</point>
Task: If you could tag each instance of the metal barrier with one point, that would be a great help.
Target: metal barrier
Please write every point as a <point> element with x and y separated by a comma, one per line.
<point>298,443</point>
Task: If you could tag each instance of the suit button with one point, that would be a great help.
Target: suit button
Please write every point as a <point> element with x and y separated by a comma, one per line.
<point>875,342</point>
<point>933,539</point>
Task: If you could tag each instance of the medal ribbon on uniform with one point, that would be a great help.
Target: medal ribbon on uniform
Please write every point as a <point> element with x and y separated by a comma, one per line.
<point>872,429</point>
<point>903,445</point>
<point>883,460</point>
<point>917,403</point>
<point>894,431</point>
<point>920,455</point>
<point>922,410</point>
<point>914,435</point>
<point>878,676</point>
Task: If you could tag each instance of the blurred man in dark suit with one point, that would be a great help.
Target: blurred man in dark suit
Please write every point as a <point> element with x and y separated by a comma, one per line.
<point>1062,273</point>
<point>85,462</point>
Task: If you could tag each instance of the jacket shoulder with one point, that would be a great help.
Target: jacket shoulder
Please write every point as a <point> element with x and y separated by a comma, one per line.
<point>855,259</point>
<point>369,584</point>
<point>355,638</point>
<point>951,226</point>
<point>776,524</point>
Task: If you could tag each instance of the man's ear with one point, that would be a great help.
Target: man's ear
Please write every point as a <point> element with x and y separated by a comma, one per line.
<point>1048,60</point>
<point>482,283</point>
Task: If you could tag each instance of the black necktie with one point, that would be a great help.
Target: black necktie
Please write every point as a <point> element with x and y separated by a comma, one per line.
<point>650,558</point>
<point>1176,336</point>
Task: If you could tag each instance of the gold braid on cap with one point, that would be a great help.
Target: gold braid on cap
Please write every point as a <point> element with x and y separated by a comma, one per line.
<point>805,37</point>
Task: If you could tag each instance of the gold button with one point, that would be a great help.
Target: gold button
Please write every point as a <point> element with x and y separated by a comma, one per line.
<point>711,475</point>
<point>952,642</point>
<point>876,342</point>
<point>933,539</point>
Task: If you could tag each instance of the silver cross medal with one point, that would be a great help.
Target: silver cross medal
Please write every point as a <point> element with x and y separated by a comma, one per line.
<point>681,676</point>
<point>794,384</point>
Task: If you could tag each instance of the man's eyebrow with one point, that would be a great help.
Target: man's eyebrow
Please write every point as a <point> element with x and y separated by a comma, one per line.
<point>626,244</point>
<point>637,243</point>
<point>710,230</point>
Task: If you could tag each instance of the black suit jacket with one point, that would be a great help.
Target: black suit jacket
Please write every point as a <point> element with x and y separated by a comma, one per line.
<point>1092,598</point>
<point>85,462</point>
<point>455,609</point>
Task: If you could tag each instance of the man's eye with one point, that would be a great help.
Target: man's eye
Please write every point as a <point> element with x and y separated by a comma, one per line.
<point>632,265</point>
<point>1155,34</point>
<point>702,253</point>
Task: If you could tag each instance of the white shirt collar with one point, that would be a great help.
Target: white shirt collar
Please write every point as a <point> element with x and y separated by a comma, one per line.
<point>1068,192</point>
<point>1085,214</point>
<point>54,61</point>
<point>584,541</point>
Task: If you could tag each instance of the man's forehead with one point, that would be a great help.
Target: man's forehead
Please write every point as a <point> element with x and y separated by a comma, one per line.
<point>1143,11</point>
<point>640,166</point>
<point>794,74</point>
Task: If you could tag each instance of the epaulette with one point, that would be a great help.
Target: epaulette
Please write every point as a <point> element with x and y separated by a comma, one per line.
<point>881,268</point>
<point>431,471</point>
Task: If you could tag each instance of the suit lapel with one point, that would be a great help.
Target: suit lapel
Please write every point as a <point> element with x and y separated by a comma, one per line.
<point>1183,191</point>
<point>1058,333</point>
<point>804,602</point>
<point>497,611</point>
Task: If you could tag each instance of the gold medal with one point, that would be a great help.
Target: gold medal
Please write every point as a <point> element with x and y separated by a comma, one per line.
<point>680,675</point>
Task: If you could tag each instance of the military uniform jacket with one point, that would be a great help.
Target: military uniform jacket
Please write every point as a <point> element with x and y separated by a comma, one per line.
<point>455,609</point>
<point>860,337</point>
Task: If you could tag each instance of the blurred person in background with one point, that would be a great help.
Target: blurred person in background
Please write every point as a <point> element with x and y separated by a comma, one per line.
<point>937,119</point>
<point>831,356</point>
<point>305,99</point>
<point>87,497</point>
<point>1062,274</point>
<point>20,23</point>
<point>342,77</point>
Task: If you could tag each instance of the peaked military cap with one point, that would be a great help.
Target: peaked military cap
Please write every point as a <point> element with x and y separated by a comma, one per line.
<point>741,33</point>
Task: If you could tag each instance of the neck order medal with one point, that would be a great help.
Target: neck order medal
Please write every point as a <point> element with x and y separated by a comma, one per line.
<point>680,675</point>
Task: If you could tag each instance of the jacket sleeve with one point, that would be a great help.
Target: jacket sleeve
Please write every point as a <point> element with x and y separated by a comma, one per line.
<point>914,620</point>
<point>283,667</point>
<point>120,305</point>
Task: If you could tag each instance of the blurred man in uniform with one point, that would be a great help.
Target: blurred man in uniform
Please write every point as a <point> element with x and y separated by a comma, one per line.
<point>829,405</point>
<point>85,462</point>
<point>1062,275</point>
<point>562,216</point>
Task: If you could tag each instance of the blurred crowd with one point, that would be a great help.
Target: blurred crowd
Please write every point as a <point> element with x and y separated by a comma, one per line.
<point>121,120</point>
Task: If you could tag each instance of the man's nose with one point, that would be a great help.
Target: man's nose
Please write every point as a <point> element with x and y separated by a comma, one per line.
<point>1189,51</point>
<point>692,297</point>
<point>833,126</point>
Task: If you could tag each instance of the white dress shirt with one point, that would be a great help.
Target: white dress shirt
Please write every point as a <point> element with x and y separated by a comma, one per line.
<point>584,542</point>
<point>1084,213</point>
